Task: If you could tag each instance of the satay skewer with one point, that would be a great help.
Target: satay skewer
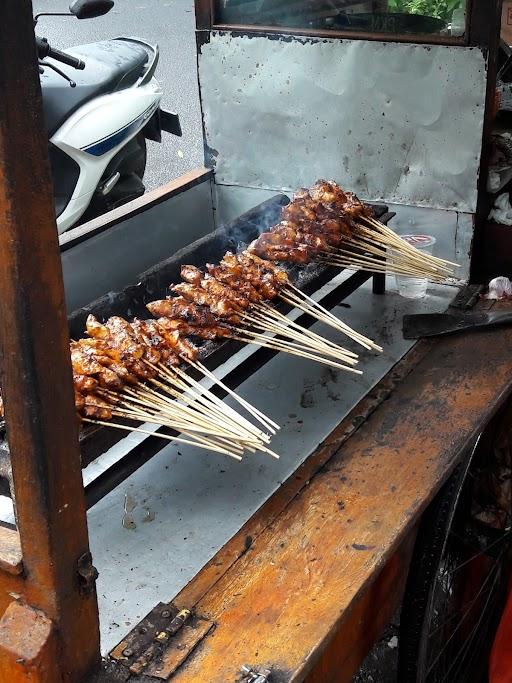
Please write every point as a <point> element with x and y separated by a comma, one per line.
<point>261,417</point>
<point>280,324</point>
<point>177,439</point>
<point>230,446</point>
<point>270,343</point>
<point>329,318</point>
<point>223,410</point>
<point>351,261</point>
<point>227,440</point>
<point>393,239</point>
<point>214,431</point>
<point>227,428</point>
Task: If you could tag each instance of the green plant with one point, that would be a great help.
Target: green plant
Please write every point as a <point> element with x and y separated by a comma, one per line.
<point>441,9</point>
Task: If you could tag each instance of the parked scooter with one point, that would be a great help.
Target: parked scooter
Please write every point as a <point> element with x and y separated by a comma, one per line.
<point>101,103</point>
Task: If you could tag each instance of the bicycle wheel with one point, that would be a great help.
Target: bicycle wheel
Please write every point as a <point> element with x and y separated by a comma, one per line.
<point>455,588</point>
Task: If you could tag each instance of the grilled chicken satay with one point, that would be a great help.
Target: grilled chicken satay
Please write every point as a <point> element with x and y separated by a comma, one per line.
<point>122,340</point>
<point>269,247</point>
<point>265,276</point>
<point>93,407</point>
<point>330,193</point>
<point>146,330</point>
<point>180,309</point>
<point>219,306</point>
<point>212,331</point>
<point>214,287</point>
<point>86,363</point>
<point>327,192</point>
<point>169,341</point>
<point>235,281</point>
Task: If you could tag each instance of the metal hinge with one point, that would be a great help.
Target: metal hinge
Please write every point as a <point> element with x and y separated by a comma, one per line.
<point>87,574</point>
<point>255,675</point>
<point>161,642</point>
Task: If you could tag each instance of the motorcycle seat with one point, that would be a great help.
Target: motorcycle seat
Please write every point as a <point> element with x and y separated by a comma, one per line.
<point>110,65</point>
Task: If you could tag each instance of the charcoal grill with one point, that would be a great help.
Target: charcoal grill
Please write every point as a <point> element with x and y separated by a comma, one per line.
<point>153,284</point>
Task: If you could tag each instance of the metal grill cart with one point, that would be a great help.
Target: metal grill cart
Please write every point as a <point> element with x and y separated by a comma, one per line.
<point>267,572</point>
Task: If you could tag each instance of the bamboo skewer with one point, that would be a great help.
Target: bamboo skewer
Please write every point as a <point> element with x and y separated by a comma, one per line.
<point>392,239</point>
<point>219,444</point>
<point>384,229</point>
<point>226,438</point>
<point>276,315</point>
<point>286,344</point>
<point>222,410</point>
<point>266,421</point>
<point>192,429</point>
<point>348,260</point>
<point>208,418</point>
<point>280,324</point>
<point>177,439</point>
<point>242,426</point>
<point>271,344</point>
<point>296,295</point>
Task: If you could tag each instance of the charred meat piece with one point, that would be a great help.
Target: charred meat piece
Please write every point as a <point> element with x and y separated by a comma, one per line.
<point>95,408</point>
<point>235,281</point>
<point>84,384</point>
<point>179,310</point>
<point>271,250</point>
<point>191,274</point>
<point>222,307</point>
<point>85,362</point>
<point>152,337</point>
<point>213,331</point>
<point>300,210</point>
<point>119,340</point>
<point>221,291</point>
<point>265,277</point>
<point>327,192</point>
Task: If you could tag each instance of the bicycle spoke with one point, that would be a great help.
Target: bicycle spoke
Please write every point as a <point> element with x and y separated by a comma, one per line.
<point>464,616</point>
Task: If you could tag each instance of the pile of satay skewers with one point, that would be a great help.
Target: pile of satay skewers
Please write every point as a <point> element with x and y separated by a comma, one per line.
<point>137,371</point>
<point>331,226</point>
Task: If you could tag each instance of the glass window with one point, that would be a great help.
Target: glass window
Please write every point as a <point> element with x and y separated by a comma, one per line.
<point>441,17</point>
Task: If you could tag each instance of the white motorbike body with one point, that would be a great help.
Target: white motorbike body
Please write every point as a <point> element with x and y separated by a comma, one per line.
<point>98,130</point>
<point>93,136</point>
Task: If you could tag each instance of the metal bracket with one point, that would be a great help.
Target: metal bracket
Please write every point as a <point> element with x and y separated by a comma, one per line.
<point>87,573</point>
<point>255,675</point>
<point>161,642</point>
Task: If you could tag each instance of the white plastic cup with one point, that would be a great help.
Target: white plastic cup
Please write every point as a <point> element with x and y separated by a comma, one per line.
<point>415,287</point>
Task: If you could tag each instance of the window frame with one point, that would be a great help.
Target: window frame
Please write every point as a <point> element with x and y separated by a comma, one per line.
<point>206,21</point>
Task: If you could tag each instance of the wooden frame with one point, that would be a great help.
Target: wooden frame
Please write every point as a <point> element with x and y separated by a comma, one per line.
<point>206,20</point>
<point>47,581</point>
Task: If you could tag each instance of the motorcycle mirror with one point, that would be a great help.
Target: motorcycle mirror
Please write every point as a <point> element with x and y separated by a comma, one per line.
<point>89,9</point>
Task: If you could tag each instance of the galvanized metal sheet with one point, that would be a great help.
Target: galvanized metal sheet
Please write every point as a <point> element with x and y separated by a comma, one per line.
<point>112,259</point>
<point>395,122</point>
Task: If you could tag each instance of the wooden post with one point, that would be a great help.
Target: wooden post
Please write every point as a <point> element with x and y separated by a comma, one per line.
<point>35,366</point>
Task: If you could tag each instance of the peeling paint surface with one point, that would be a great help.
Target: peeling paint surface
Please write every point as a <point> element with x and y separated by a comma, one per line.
<point>393,122</point>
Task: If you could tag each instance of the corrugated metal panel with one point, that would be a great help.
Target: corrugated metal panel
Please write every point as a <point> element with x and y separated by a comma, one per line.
<point>394,122</point>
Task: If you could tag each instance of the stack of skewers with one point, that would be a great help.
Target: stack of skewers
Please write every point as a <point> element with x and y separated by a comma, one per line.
<point>329,225</point>
<point>136,372</point>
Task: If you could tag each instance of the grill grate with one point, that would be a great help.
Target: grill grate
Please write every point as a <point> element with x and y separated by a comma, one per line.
<point>153,284</point>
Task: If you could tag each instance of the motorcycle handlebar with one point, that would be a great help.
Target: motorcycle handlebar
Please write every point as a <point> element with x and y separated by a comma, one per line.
<point>66,59</point>
<point>45,50</point>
